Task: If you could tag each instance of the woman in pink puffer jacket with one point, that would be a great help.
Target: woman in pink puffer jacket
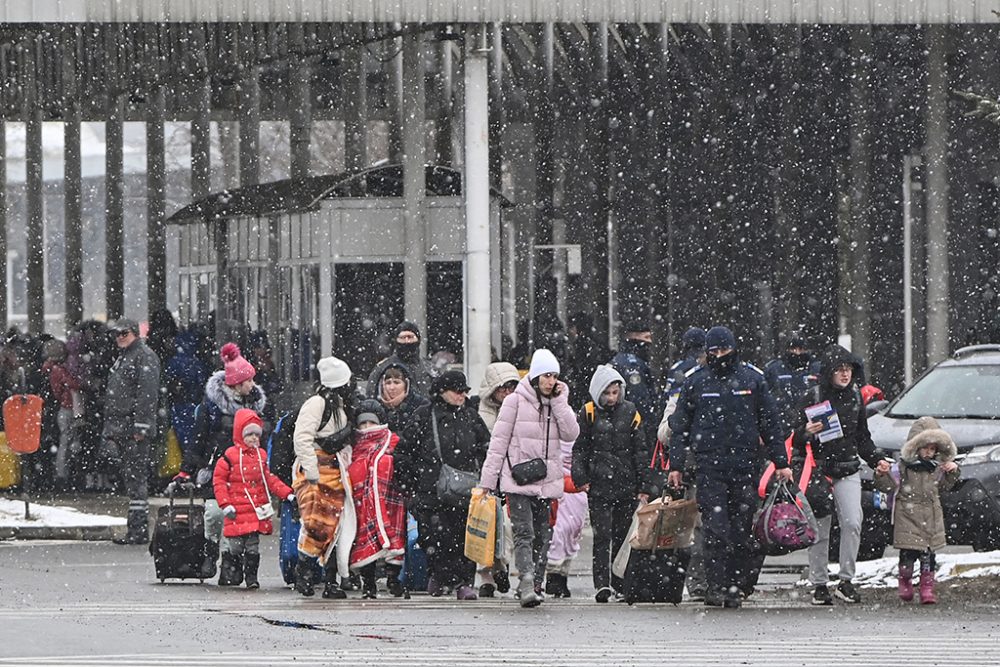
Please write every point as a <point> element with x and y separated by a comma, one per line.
<point>526,444</point>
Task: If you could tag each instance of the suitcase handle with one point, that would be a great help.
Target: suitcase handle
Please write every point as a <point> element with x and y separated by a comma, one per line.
<point>186,485</point>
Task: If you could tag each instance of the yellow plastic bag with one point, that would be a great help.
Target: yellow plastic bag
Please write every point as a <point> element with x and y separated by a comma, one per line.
<point>171,463</point>
<point>10,465</point>
<point>481,528</point>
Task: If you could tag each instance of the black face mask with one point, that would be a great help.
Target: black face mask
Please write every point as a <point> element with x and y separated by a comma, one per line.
<point>408,351</point>
<point>798,361</point>
<point>640,348</point>
<point>722,365</point>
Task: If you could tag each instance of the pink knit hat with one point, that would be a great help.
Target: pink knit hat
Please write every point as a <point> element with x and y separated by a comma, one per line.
<point>238,369</point>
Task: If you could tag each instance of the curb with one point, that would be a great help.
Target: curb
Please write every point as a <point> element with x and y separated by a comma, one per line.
<point>79,533</point>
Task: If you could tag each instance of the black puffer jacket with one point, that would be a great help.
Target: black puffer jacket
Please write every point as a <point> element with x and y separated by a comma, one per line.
<point>837,458</point>
<point>464,441</point>
<point>611,453</point>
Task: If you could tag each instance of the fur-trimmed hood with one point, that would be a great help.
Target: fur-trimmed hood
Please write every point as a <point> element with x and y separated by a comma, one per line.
<point>926,431</point>
<point>223,397</point>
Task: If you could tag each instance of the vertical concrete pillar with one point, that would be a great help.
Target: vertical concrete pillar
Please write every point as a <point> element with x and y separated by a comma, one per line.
<point>858,246</point>
<point>354,92</point>
<point>33,184</point>
<point>660,214</point>
<point>476,191</point>
<point>936,151</point>
<point>414,182</point>
<point>595,220</point>
<point>4,307</point>
<point>300,102</point>
<point>394,67</point>
<point>156,230</point>
<point>498,119</point>
<point>544,131</point>
<point>443,148</point>
<point>72,189</point>
<point>114,208</point>
<point>201,136</point>
<point>72,185</point>
<point>249,114</point>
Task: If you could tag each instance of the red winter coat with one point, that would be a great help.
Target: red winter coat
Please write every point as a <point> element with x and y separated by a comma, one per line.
<point>242,479</point>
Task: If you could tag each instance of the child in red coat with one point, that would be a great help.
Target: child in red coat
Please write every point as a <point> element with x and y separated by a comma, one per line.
<point>243,487</point>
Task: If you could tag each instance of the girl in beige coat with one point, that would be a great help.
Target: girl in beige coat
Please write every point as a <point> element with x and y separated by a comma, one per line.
<point>926,467</point>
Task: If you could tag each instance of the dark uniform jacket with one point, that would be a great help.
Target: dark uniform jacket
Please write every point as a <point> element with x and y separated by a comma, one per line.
<point>639,382</point>
<point>721,421</point>
<point>789,384</point>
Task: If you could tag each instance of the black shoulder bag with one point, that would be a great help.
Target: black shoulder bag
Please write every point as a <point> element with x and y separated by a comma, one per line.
<point>535,470</point>
<point>454,486</point>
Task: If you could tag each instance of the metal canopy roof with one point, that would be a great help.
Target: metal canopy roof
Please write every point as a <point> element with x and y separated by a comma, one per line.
<point>515,11</point>
<point>305,194</point>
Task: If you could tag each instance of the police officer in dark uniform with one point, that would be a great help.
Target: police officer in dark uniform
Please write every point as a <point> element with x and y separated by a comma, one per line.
<point>723,412</point>
<point>632,361</point>
<point>790,376</point>
<point>693,351</point>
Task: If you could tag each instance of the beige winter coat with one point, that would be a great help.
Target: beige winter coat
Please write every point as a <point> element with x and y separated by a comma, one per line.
<point>496,374</point>
<point>918,521</point>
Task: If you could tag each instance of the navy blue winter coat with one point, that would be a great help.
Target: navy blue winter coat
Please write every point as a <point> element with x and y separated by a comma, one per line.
<point>721,421</point>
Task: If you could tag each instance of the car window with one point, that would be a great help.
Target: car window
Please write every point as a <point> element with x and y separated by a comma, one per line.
<point>953,392</point>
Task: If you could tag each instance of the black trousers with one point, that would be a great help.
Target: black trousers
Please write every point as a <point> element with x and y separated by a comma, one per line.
<point>441,533</point>
<point>727,507</point>
<point>610,518</point>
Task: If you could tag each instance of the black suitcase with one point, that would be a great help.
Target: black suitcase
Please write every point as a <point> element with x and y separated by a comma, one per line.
<point>179,546</point>
<point>656,576</point>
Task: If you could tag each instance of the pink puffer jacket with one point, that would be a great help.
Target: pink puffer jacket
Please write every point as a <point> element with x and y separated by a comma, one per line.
<point>520,435</point>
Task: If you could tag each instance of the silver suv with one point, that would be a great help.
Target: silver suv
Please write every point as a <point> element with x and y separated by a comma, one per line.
<point>963,394</point>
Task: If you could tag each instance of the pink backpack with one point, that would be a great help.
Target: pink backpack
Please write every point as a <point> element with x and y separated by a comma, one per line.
<point>785,523</point>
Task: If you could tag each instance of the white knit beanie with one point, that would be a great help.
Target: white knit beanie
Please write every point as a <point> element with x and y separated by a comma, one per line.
<point>543,361</point>
<point>333,372</point>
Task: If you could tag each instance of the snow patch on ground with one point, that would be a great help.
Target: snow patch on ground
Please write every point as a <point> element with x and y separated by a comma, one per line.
<point>12,516</point>
<point>883,573</point>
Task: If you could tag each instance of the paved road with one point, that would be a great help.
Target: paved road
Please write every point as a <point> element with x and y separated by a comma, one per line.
<point>72,603</point>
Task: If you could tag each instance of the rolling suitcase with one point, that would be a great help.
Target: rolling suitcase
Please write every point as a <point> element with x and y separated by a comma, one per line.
<point>656,575</point>
<point>413,574</point>
<point>178,546</point>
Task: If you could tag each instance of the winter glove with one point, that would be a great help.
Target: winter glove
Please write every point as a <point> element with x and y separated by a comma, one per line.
<point>291,498</point>
<point>229,512</point>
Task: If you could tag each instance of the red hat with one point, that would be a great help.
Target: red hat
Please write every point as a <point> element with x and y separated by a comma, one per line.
<point>238,369</point>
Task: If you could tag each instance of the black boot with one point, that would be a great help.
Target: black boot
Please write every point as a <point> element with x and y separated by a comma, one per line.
<point>137,528</point>
<point>332,589</point>
<point>369,589</point>
<point>502,578</point>
<point>556,586</point>
<point>392,582</point>
<point>231,572</point>
<point>305,571</point>
<point>209,565</point>
<point>250,564</point>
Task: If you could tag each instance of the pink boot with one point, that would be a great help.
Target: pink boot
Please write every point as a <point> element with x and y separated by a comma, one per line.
<point>927,587</point>
<point>906,583</point>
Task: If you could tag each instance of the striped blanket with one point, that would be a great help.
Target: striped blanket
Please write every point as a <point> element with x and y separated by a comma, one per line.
<point>326,509</point>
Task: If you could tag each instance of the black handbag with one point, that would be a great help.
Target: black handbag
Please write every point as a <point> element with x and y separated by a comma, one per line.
<point>454,486</point>
<point>535,470</point>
